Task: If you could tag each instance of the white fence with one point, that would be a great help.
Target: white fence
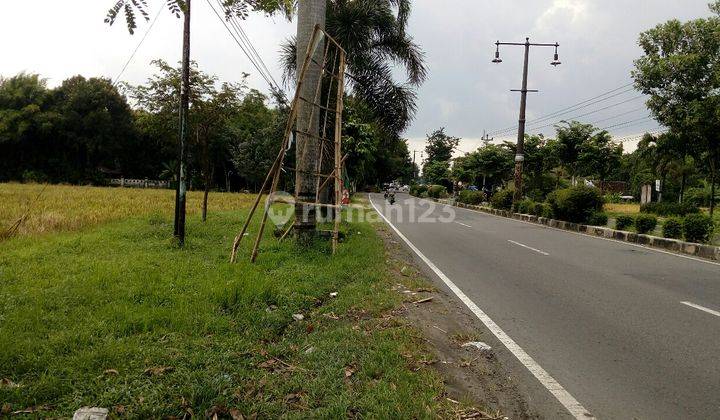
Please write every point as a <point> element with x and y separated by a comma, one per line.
<point>139,183</point>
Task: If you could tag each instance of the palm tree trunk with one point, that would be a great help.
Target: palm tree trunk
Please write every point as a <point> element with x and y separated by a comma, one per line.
<point>310,13</point>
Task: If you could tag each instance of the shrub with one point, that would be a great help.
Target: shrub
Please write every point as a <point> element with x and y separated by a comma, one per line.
<point>437,191</point>
<point>698,228</point>
<point>623,222</point>
<point>503,199</point>
<point>614,198</point>
<point>526,206</point>
<point>598,219</point>
<point>700,196</point>
<point>669,209</point>
<point>576,204</point>
<point>673,228</point>
<point>645,223</point>
<point>35,177</point>
<point>471,197</point>
<point>544,210</point>
<point>418,190</point>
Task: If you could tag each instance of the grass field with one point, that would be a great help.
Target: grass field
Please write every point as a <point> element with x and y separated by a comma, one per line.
<point>116,316</point>
<point>67,208</point>
<point>622,208</point>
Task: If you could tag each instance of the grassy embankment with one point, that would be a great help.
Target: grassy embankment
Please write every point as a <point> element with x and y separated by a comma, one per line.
<point>110,313</point>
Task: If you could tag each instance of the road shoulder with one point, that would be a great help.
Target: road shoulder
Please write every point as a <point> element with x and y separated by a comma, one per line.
<point>471,376</point>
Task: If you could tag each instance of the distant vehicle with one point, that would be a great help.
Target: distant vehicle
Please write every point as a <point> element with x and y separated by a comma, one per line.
<point>473,188</point>
<point>405,188</point>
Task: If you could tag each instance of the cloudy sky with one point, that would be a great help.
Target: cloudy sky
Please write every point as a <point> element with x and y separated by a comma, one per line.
<point>465,92</point>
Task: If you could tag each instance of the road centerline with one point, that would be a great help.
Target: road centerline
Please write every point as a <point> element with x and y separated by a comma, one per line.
<point>701,308</point>
<point>529,247</point>
<point>463,224</point>
<point>566,399</point>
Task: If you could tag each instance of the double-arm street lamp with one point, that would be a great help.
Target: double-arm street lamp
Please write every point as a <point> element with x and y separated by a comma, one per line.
<point>520,153</point>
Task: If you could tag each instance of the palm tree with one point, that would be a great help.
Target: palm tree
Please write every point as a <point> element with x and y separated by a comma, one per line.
<point>373,33</point>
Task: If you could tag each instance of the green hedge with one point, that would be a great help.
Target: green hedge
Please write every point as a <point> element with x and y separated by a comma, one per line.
<point>698,228</point>
<point>598,219</point>
<point>471,197</point>
<point>545,210</point>
<point>669,209</point>
<point>418,190</point>
<point>526,206</point>
<point>645,223</point>
<point>673,228</point>
<point>576,204</point>
<point>623,222</point>
<point>437,191</point>
<point>503,199</point>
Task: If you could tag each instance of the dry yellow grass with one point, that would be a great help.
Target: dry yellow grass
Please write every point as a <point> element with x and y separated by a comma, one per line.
<point>622,208</point>
<point>67,208</point>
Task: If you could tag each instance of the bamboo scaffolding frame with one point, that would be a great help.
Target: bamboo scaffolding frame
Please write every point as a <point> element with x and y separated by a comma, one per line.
<point>270,184</point>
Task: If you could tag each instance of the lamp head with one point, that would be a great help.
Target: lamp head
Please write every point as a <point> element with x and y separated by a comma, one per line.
<point>497,59</point>
<point>556,59</point>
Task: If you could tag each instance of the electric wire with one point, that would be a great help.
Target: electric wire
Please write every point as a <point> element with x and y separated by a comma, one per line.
<point>240,44</point>
<point>575,107</point>
<point>137,48</point>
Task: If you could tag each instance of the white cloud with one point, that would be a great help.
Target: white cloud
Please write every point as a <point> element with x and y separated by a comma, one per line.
<point>574,12</point>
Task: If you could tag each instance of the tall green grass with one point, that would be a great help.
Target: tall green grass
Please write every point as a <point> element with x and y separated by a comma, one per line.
<point>85,315</point>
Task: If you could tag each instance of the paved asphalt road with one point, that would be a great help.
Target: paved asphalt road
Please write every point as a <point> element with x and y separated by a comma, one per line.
<point>605,319</point>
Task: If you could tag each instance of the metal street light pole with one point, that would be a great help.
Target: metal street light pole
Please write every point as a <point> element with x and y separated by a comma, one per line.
<point>520,151</point>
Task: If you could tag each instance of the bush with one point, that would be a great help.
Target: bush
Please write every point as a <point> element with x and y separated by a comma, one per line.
<point>645,223</point>
<point>503,199</point>
<point>623,222</point>
<point>544,210</point>
<point>437,191</point>
<point>598,219</point>
<point>614,198</point>
<point>471,197</point>
<point>698,228</point>
<point>34,177</point>
<point>576,204</point>
<point>526,206</point>
<point>669,209</point>
<point>418,190</point>
<point>701,196</point>
<point>673,228</point>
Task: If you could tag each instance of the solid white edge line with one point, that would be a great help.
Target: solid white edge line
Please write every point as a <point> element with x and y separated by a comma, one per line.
<point>529,247</point>
<point>702,308</point>
<point>568,401</point>
<point>687,257</point>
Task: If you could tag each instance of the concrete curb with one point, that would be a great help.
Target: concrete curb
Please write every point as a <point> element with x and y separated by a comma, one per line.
<point>709,252</point>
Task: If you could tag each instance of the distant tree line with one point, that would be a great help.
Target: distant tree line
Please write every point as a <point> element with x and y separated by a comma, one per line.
<point>87,130</point>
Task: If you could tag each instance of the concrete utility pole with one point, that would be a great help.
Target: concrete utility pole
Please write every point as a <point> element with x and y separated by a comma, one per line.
<point>181,190</point>
<point>520,152</point>
<point>486,139</point>
<point>310,14</point>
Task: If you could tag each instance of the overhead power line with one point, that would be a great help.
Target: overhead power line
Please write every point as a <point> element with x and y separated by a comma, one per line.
<point>254,58</point>
<point>605,108</point>
<point>137,48</point>
<point>628,123</point>
<point>635,137</point>
<point>580,105</point>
